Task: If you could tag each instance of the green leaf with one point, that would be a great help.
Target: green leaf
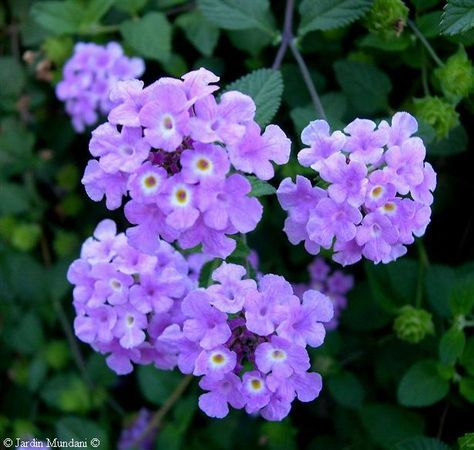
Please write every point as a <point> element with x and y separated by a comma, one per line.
<point>27,337</point>
<point>81,430</point>
<point>58,17</point>
<point>388,424</point>
<point>13,199</point>
<point>280,435</point>
<point>150,36</point>
<point>66,392</point>
<point>467,358</point>
<point>421,385</point>
<point>205,276</point>
<point>429,24</point>
<point>421,443</point>
<point>454,143</point>
<point>259,187</point>
<point>466,389</point>
<point>157,385</point>
<point>366,86</point>
<point>251,40</point>
<point>439,281</point>
<point>393,285</point>
<point>330,14</point>
<point>451,345</point>
<point>265,86</point>
<point>238,14</point>
<point>130,6</point>
<point>12,77</point>
<point>461,299</point>
<point>70,16</point>
<point>458,17</point>
<point>346,389</point>
<point>199,32</point>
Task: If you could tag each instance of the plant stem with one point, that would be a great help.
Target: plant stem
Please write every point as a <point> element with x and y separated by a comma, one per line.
<point>308,81</point>
<point>158,416</point>
<point>287,40</point>
<point>425,42</point>
<point>423,263</point>
<point>287,34</point>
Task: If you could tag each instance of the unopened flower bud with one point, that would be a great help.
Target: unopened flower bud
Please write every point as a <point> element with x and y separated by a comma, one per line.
<point>456,77</point>
<point>412,324</point>
<point>438,113</point>
<point>387,18</point>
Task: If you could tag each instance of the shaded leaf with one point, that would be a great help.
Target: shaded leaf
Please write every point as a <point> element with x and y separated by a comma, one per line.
<point>330,14</point>
<point>265,86</point>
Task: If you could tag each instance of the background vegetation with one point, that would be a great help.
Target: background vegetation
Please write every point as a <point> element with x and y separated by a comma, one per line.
<point>408,387</point>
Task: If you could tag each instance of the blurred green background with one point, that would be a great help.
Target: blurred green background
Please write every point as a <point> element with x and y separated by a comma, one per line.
<point>408,388</point>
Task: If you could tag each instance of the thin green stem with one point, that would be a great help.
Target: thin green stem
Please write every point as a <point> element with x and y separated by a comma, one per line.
<point>423,264</point>
<point>161,413</point>
<point>425,42</point>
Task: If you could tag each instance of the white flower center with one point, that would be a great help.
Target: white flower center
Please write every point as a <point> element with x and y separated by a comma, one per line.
<point>278,355</point>
<point>181,196</point>
<point>217,360</point>
<point>149,183</point>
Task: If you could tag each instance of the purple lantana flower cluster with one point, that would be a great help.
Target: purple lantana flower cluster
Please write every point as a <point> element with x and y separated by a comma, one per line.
<point>173,149</point>
<point>374,191</point>
<point>88,77</point>
<point>125,299</point>
<point>248,342</point>
<point>333,283</point>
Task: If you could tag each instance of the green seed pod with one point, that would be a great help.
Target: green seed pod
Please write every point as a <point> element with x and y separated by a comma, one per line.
<point>438,113</point>
<point>412,324</point>
<point>456,77</point>
<point>387,18</point>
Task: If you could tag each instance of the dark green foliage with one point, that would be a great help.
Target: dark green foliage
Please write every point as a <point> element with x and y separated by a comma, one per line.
<point>386,384</point>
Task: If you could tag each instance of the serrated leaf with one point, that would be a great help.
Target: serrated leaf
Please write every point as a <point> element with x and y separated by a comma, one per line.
<point>200,32</point>
<point>265,86</point>
<point>458,17</point>
<point>330,14</point>
<point>421,385</point>
<point>238,14</point>
<point>71,16</point>
<point>259,187</point>
<point>150,36</point>
<point>451,345</point>
<point>421,443</point>
<point>366,86</point>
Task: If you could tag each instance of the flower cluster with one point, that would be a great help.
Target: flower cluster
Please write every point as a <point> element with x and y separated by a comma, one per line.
<point>335,284</point>
<point>249,341</point>
<point>136,435</point>
<point>88,77</point>
<point>170,147</point>
<point>374,194</point>
<point>124,299</point>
